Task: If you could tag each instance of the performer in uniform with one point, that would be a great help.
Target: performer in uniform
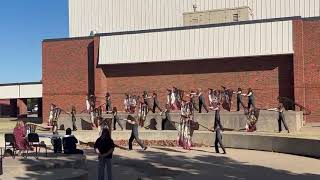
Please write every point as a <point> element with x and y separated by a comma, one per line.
<point>193,96</point>
<point>52,107</point>
<point>250,96</point>
<point>116,118</point>
<point>280,109</point>
<point>155,103</point>
<point>142,112</point>
<point>56,115</point>
<point>218,128</point>
<point>73,118</point>
<point>92,101</point>
<point>146,98</point>
<point>126,103</point>
<point>239,99</point>
<point>184,138</point>
<point>202,102</point>
<point>108,102</point>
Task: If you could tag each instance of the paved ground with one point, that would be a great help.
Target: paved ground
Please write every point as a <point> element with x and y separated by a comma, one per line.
<point>159,163</point>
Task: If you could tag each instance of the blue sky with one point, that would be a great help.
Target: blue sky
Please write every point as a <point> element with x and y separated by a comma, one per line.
<point>23,25</point>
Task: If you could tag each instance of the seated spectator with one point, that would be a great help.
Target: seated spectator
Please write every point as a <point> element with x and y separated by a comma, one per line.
<point>70,143</point>
<point>19,133</point>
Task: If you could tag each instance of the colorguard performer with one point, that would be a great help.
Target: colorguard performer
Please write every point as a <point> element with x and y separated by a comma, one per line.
<point>184,138</point>
<point>239,99</point>
<point>142,112</point>
<point>281,119</point>
<point>202,102</point>
<point>155,103</point>
<point>108,103</point>
<point>116,118</point>
<point>250,96</point>
<point>73,118</point>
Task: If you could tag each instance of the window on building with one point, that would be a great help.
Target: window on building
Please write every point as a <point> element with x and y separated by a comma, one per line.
<point>235,17</point>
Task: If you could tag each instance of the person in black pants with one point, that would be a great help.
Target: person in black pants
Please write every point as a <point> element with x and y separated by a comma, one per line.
<point>218,128</point>
<point>166,117</point>
<point>239,99</point>
<point>73,118</point>
<point>250,96</point>
<point>116,118</point>
<point>135,135</point>
<point>108,103</point>
<point>202,102</point>
<point>280,109</point>
<point>155,103</point>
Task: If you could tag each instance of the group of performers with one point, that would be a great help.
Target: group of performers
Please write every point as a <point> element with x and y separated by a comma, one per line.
<point>177,100</point>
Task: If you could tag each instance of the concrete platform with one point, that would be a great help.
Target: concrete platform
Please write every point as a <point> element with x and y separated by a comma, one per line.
<point>233,120</point>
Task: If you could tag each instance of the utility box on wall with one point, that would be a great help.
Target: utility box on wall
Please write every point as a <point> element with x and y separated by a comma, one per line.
<point>217,16</point>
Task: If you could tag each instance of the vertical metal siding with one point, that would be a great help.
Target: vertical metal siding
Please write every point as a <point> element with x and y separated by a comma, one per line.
<point>202,43</point>
<point>124,15</point>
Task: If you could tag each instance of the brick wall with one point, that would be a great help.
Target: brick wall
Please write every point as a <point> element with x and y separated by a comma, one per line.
<point>311,60</point>
<point>65,73</point>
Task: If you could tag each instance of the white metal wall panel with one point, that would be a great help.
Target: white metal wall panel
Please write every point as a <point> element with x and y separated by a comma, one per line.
<point>21,91</point>
<point>124,15</point>
<point>202,43</point>
<point>9,92</point>
<point>31,91</point>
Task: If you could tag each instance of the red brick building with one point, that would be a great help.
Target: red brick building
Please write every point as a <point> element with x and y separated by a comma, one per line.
<point>73,67</point>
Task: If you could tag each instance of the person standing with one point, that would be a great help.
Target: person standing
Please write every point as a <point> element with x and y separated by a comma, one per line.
<point>104,147</point>
<point>146,98</point>
<point>193,96</point>
<point>239,99</point>
<point>135,134</point>
<point>218,128</point>
<point>155,103</point>
<point>184,138</point>
<point>281,119</point>
<point>166,118</point>
<point>250,96</point>
<point>116,118</point>
<point>202,102</point>
<point>108,102</point>
<point>73,118</point>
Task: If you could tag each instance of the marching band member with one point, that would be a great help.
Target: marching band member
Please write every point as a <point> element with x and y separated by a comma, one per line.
<point>280,109</point>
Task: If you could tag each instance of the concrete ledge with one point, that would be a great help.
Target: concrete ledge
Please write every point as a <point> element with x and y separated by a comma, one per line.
<point>282,143</point>
<point>233,120</point>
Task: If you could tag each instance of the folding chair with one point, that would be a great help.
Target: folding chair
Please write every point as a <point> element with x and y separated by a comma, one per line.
<point>33,140</point>
<point>10,143</point>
